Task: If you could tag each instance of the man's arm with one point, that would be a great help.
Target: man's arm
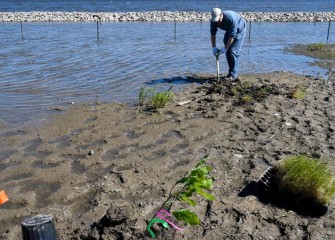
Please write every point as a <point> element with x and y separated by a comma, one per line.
<point>229,42</point>
<point>213,40</point>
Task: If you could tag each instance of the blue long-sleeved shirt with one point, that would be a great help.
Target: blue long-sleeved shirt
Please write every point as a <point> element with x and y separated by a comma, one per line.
<point>232,23</point>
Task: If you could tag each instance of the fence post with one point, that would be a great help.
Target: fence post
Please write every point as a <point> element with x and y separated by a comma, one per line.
<point>249,29</point>
<point>98,18</point>
<point>175,30</point>
<point>21,30</point>
<point>328,31</point>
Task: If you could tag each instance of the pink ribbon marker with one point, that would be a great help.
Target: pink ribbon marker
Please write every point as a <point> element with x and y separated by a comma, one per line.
<point>162,212</point>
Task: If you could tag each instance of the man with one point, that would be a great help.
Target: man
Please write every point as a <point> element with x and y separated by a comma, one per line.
<point>235,28</point>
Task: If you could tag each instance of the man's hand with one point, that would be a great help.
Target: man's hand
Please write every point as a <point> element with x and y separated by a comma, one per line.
<point>223,50</point>
<point>216,51</point>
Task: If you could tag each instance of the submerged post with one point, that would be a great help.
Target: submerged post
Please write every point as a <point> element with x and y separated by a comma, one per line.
<point>249,29</point>
<point>21,30</point>
<point>175,30</point>
<point>328,31</point>
<point>98,18</point>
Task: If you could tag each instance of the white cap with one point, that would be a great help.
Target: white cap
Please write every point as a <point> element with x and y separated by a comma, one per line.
<point>216,12</point>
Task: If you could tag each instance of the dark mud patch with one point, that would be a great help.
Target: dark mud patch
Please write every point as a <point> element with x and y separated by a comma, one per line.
<point>325,54</point>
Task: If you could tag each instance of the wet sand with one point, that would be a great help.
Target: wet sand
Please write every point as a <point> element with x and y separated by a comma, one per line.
<point>99,161</point>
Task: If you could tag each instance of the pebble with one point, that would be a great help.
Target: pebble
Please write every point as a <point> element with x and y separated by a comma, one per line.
<point>160,16</point>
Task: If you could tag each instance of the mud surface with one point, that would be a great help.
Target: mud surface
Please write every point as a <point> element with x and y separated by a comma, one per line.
<point>324,58</point>
<point>103,170</point>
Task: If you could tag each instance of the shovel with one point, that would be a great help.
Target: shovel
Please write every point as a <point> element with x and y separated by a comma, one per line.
<point>217,66</point>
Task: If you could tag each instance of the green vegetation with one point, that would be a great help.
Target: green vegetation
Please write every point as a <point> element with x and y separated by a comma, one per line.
<point>316,47</point>
<point>299,92</point>
<point>194,183</point>
<point>247,92</point>
<point>246,99</point>
<point>307,178</point>
<point>152,99</point>
<point>159,100</point>
<point>325,52</point>
<point>144,95</point>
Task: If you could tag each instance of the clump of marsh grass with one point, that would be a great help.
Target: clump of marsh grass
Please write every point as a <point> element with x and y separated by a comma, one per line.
<point>306,178</point>
<point>159,100</point>
<point>144,95</point>
<point>298,93</point>
<point>316,47</point>
<point>153,99</point>
<point>246,99</point>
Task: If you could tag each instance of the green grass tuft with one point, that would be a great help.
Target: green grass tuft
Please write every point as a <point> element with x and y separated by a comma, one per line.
<point>246,98</point>
<point>307,178</point>
<point>159,100</point>
<point>152,99</point>
<point>298,93</point>
<point>316,47</point>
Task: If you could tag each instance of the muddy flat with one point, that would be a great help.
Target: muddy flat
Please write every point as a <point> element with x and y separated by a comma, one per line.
<point>102,161</point>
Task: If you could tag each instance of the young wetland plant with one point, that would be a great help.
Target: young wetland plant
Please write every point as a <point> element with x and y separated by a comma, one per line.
<point>306,177</point>
<point>245,99</point>
<point>316,47</point>
<point>194,183</point>
<point>152,99</point>
<point>298,93</point>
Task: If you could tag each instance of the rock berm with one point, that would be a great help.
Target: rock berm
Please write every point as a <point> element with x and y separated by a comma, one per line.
<point>160,16</point>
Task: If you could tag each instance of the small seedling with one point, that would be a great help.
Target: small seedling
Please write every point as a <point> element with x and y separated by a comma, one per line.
<point>143,95</point>
<point>196,182</point>
<point>152,99</point>
<point>307,178</point>
<point>159,100</point>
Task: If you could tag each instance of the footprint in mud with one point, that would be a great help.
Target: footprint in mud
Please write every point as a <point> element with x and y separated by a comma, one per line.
<point>77,131</point>
<point>90,119</point>
<point>61,142</point>
<point>42,190</point>
<point>40,164</point>
<point>13,133</point>
<point>32,145</point>
<point>178,147</point>
<point>89,145</point>
<point>133,135</point>
<point>7,153</point>
<point>83,203</point>
<point>119,152</point>
<point>173,133</point>
<point>77,168</point>
<point>180,164</point>
<point>164,138</point>
<point>156,154</point>
<point>16,178</point>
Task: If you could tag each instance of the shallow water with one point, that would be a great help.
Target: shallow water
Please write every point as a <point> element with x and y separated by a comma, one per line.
<point>59,63</point>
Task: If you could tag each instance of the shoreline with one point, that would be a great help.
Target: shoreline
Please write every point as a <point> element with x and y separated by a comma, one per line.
<point>160,16</point>
<point>94,161</point>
